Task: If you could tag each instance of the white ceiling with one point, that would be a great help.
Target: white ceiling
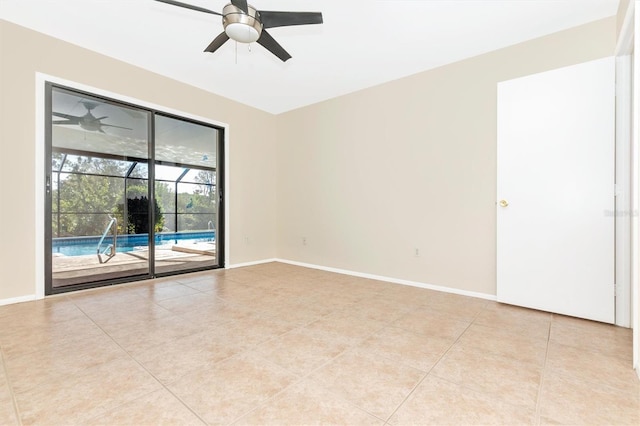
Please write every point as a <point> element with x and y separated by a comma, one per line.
<point>361,43</point>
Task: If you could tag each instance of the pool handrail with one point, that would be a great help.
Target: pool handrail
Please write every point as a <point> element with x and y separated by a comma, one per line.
<point>112,247</point>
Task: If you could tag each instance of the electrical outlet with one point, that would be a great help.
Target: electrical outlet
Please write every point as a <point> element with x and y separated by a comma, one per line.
<point>416,252</point>
<point>246,240</point>
<point>304,241</point>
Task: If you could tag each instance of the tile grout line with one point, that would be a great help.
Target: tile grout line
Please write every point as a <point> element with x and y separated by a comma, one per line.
<point>308,375</point>
<point>270,398</point>
<point>442,378</point>
<point>543,372</point>
<point>3,361</point>
<point>495,353</point>
<point>222,360</point>
<point>16,408</point>
<point>141,366</point>
<point>231,356</point>
<point>432,367</point>
<point>565,375</point>
<point>591,350</point>
<point>299,380</point>
<point>268,401</point>
<point>251,349</point>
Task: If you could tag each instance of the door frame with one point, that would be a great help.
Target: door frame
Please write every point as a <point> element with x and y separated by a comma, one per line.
<point>624,211</point>
<point>40,166</point>
<point>627,94</point>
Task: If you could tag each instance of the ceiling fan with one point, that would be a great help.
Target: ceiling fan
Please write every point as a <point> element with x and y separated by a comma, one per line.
<point>245,24</point>
<point>88,121</point>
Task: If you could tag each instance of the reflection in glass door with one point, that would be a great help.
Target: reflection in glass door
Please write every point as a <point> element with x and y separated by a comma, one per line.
<point>122,204</point>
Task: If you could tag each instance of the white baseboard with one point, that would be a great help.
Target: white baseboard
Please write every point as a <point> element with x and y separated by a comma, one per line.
<point>322,268</point>
<point>12,300</point>
<point>393,280</point>
<point>252,263</point>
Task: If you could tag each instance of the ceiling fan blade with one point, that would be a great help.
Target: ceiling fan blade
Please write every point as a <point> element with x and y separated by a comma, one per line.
<point>272,46</point>
<point>189,6</point>
<point>67,122</point>
<point>67,116</point>
<point>241,4</point>
<point>217,42</point>
<point>272,19</point>
<point>111,125</point>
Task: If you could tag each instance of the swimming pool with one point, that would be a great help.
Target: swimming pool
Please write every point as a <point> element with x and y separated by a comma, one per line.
<point>80,246</point>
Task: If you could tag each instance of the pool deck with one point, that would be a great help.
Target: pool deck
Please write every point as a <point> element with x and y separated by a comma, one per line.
<point>69,270</point>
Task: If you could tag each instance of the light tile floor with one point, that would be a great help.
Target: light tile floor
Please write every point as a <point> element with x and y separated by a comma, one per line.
<point>278,344</point>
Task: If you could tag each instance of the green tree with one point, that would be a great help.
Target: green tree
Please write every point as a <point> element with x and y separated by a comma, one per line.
<point>138,216</point>
<point>86,200</point>
<point>196,206</point>
<point>165,197</point>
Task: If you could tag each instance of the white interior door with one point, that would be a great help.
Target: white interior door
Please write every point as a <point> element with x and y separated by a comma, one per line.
<point>555,242</point>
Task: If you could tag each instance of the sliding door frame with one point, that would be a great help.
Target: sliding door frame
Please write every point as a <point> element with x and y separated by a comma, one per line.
<point>152,112</point>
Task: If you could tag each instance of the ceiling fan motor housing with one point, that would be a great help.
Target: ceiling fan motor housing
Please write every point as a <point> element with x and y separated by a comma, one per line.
<point>241,26</point>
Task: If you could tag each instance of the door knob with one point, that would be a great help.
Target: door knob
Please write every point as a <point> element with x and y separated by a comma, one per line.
<point>503,203</point>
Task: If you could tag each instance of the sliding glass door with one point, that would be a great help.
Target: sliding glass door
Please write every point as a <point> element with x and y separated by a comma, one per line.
<point>185,187</point>
<point>130,193</point>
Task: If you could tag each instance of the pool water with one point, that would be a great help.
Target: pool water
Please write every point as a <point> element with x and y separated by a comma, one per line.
<point>81,250</point>
<point>81,246</point>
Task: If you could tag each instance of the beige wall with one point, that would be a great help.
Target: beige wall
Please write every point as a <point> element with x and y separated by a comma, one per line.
<point>368,177</point>
<point>24,52</point>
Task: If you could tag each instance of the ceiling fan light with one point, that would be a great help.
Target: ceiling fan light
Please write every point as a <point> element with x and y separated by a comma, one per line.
<point>242,32</point>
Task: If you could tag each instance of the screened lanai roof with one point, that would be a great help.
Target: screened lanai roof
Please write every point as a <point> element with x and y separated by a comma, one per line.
<point>62,162</point>
<point>123,131</point>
